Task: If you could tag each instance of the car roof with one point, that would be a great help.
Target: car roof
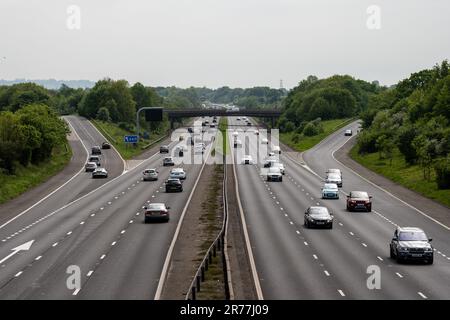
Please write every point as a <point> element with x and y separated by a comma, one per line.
<point>156,206</point>
<point>177,169</point>
<point>334,175</point>
<point>330,185</point>
<point>409,229</point>
<point>318,208</point>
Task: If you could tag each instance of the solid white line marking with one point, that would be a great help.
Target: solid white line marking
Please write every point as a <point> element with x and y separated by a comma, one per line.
<point>76,292</point>
<point>341,292</point>
<point>327,273</point>
<point>422,295</point>
<point>38,258</point>
<point>18,274</point>
<point>399,275</point>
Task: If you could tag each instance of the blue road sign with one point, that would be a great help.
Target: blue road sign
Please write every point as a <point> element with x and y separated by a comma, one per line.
<point>130,139</point>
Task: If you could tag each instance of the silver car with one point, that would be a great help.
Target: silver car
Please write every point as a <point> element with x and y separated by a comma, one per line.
<point>156,212</point>
<point>334,178</point>
<point>274,174</point>
<point>150,175</point>
<point>90,166</point>
<point>100,173</point>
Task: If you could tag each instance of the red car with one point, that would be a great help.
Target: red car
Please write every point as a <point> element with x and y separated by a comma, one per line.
<point>359,200</point>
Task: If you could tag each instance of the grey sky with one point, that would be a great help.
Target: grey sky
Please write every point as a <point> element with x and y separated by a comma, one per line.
<point>239,43</point>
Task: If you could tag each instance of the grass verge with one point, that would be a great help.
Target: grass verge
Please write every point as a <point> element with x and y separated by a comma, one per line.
<point>26,178</point>
<point>222,146</point>
<point>305,143</point>
<point>115,135</point>
<point>409,176</point>
<point>213,288</point>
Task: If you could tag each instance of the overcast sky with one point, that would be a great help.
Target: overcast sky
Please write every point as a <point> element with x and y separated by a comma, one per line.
<point>239,43</point>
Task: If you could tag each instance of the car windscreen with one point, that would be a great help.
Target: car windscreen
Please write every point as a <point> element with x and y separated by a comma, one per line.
<point>319,211</point>
<point>412,236</point>
<point>330,186</point>
<point>334,176</point>
<point>359,194</point>
<point>156,206</point>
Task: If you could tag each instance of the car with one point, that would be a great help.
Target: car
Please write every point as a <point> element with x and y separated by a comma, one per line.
<point>177,173</point>
<point>271,154</point>
<point>214,121</point>
<point>164,149</point>
<point>95,159</point>
<point>173,184</point>
<point>411,244</point>
<point>318,217</point>
<point>168,161</point>
<point>330,191</point>
<point>100,173</point>
<point>359,200</point>
<point>265,141</point>
<point>90,166</point>
<point>274,174</point>
<point>337,171</point>
<point>276,149</point>
<point>334,178</point>
<point>198,149</point>
<point>181,138</point>
<point>212,125</point>
<point>150,174</point>
<point>278,165</point>
<point>247,159</point>
<point>106,145</point>
<point>268,162</point>
<point>238,119</point>
<point>249,123</point>
<point>237,143</point>
<point>348,132</point>
<point>179,151</point>
<point>257,132</point>
<point>235,133</point>
<point>96,150</point>
<point>156,212</point>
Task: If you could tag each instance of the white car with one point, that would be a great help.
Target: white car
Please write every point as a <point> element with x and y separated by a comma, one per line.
<point>247,159</point>
<point>100,173</point>
<point>276,149</point>
<point>334,178</point>
<point>265,141</point>
<point>274,174</point>
<point>278,165</point>
<point>150,175</point>
<point>330,191</point>
<point>337,171</point>
<point>90,166</point>
<point>237,143</point>
<point>177,173</point>
<point>257,132</point>
<point>268,162</point>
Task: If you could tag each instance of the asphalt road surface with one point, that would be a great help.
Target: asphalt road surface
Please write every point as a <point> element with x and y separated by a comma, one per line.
<point>101,234</point>
<point>293,262</point>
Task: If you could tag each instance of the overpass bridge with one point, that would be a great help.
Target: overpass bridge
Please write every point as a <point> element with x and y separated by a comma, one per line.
<point>192,113</point>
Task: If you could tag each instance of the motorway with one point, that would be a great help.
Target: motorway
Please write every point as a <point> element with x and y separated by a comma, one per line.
<point>293,262</point>
<point>101,232</point>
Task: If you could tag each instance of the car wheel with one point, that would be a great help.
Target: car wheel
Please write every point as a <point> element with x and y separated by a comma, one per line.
<point>398,258</point>
<point>391,253</point>
<point>281,179</point>
<point>348,209</point>
<point>430,261</point>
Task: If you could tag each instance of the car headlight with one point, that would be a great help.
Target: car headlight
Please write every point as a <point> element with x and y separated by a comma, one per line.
<point>428,249</point>
<point>405,249</point>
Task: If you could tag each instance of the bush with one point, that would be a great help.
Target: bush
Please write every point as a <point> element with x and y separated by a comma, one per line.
<point>367,142</point>
<point>442,170</point>
<point>311,130</point>
<point>127,126</point>
<point>296,138</point>
<point>103,114</point>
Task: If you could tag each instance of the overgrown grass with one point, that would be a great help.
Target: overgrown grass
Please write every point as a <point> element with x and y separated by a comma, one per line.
<point>409,176</point>
<point>26,178</point>
<point>305,143</point>
<point>115,135</point>
<point>213,287</point>
<point>222,140</point>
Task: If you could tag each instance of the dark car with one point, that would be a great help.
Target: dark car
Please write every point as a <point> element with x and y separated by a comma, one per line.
<point>156,212</point>
<point>190,130</point>
<point>96,150</point>
<point>249,123</point>
<point>359,200</point>
<point>164,149</point>
<point>106,145</point>
<point>411,244</point>
<point>168,161</point>
<point>174,185</point>
<point>318,217</point>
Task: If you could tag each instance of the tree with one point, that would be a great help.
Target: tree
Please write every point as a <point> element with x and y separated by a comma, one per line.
<point>385,147</point>
<point>103,114</point>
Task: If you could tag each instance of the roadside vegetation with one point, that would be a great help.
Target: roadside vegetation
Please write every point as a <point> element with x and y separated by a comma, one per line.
<point>314,132</point>
<point>406,134</point>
